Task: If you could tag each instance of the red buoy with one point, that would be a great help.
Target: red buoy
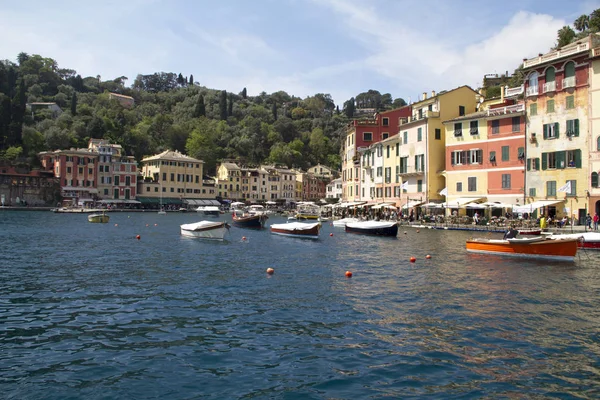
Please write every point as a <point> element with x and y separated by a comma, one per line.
<point>428,256</point>
<point>138,237</point>
<point>270,271</point>
<point>413,259</point>
<point>348,274</point>
<point>331,234</point>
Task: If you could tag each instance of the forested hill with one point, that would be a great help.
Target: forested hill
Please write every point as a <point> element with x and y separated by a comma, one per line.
<point>171,111</point>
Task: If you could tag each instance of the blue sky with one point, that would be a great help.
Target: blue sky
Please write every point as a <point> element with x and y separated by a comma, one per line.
<point>340,47</point>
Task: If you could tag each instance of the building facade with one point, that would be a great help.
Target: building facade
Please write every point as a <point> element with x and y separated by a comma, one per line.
<point>116,174</point>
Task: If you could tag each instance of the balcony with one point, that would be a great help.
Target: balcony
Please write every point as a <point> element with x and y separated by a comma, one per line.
<point>532,91</point>
<point>557,54</point>
<point>418,117</point>
<point>568,82</point>
<point>550,87</point>
<point>506,110</point>
<point>516,91</point>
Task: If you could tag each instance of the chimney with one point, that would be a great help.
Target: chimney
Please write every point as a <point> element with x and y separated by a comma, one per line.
<point>424,95</point>
<point>433,93</point>
<point>502,94</point>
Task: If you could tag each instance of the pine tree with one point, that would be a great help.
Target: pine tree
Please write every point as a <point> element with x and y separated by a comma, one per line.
<point>74,104</point>
<point>180,80</point>
<point>200,110</point>
<point>191,81</point>
<point>244,93</point>
<point>223,105</point>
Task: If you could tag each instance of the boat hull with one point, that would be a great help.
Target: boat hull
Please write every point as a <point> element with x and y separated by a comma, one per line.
<point>366,228</point>
<point>98,218</point>
<point>212,232</point>
<point>341,223</point>
<point>530,232</point>
<point>554,249</point>
<point>252,221</point>
<point>297,229</point>
<point>586,240</point>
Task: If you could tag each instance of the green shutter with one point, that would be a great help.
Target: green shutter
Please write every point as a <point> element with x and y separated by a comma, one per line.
<point>594,179</point>
<point>529,164</point>
<point>576,127</point>
<point>545,131</point>
<point>550,74</point>
<point>556,130</point>
<point>560,157</point>
<point>423,163</point>
<point>570,69</point>
<point>578,158</point>
<point>574,188</point>
<point>416,163</point>
<point>544,161</point>
<point>537,164</point>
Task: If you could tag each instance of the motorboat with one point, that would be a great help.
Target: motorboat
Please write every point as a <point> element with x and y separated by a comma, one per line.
<point>529,232</point>
<point>213,211</point>
<point>560,249</point>
<point>76,210</point>
<point>205,230</point>
<point>341,223</point>
<point>162,211</point>
<point>378,228</point>
<point>585,240</point>
<point>297,229</point>
<point>101,218</point>
<point>308,210</point>
<point>245,220</point>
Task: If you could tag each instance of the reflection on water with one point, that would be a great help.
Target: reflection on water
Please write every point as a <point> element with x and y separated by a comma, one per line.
<point>86,310</point>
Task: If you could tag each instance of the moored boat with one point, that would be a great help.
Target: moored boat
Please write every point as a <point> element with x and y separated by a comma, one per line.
<point>341,223</point>
<point>530,232</point>
<point>533,247</point>
<point>378,228</point>
<point>99,218</point>
<point>248,220</point>
<point>297,229</point>
<point>205,230</point>
<point>212,211</point>
<point>586,240</point>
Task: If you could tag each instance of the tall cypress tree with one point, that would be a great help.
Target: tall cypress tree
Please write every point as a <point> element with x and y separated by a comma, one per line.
<point>230,106</point>
<point>191,81</point>
<point>200,110</point>
<point>223,105</point>
<point>244,93</point>
<point>74,104</point>
<point>274,111</point>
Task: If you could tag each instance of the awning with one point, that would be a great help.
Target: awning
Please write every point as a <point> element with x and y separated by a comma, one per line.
<point>412,203</point>
<point>433,205</point>
<point>171,200</point>
<point>529,208</point>
<point>148,200</point>
<point>118,201</point>
<point>461,201</point>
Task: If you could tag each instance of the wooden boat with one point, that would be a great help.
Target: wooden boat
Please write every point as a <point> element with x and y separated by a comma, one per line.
<point>529,232</point>
<point>99,218</point>
<point>378,228</point>
<point>585,240</point>
<point>341,223</point>
<point>205,230</point>
<point>297,229</point>
<point>533,247</point>
<point>76,210</point>
<point>248,220</point>
<point>212,211</point>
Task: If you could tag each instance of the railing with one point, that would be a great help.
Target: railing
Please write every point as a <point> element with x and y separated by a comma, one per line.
<point>506,110</point>
<point>554,55</point>
<point>550,87</point>
<point>417,117</point>
<point>568,82</point>
<point>532,91</point>
<point>510,92</point>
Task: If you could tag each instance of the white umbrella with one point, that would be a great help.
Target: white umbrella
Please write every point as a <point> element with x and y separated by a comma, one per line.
<point>237,203</point>
<point>270,202</point>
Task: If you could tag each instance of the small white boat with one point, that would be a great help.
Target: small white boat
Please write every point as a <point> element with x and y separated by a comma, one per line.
<point>205,230</point>
<point>209,210</point>
<point>341,223</point>
<point>378,228</point>
<point>586,240</point>
<point>297,229</point>
<point>98,218</point>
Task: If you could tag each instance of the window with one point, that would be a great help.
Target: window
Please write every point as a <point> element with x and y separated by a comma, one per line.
<point>387,151</point>
<point>495,126</point>
<point>573,191</point>
<point>550,75</point>
<point>457,157</point>
<point>573,158</point>
<point>550,106</point>
<point>598,143</point>
<point>403,165</point>
<point>505,181</point>
<point>420,163</point>
<point>550,159</point>
<point>594,182</point>
<point>516,124</point>
<point>368,136</point>
<point>505,153</point>
<point>476,156</point>
<point>492,156</point>
<point>419,185</point>
<point>458,129</point>
<point>405,137</point>
<point>533,109</point>
<point>472,184</point>
<point>397,149</point>
<point>117,180</point>
<point>474,128</point>
<point>572,127</point>
<point>570,102</point>
<point>551,188</point>
<point>521,153</point>
<point>385,121</point>
<point>379,151</point>
<point>438,134</point>
<point>172,177</point>
<point>419,134</point>
<point>379,171</point>
<point>388,174</point>
<point>459,186</point>
<point>532,192</point>
<point>68,170</point>
<point>385,135</point>
<point>551,131</point>
<point>461,110</point>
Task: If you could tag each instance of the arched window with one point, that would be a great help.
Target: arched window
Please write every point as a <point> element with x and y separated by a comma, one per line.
<point>569,80</point>
<point>550,74</point>
<point>594,179</point>
<point>533,79</point>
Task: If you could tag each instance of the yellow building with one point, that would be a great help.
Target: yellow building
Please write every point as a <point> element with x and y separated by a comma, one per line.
<point>422,144</point>
<point>266,183</point>
<point>172,178</point>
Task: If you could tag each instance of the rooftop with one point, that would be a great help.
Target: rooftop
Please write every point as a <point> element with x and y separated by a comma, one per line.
<point>171,156</point>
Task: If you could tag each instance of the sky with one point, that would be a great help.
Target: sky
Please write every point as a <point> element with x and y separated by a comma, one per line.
<point>303,47</point>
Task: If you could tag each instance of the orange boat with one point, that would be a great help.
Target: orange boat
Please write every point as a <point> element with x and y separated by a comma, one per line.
<point>535,247</point>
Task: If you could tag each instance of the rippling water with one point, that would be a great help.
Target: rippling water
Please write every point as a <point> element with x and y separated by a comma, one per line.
<point>88,311</point>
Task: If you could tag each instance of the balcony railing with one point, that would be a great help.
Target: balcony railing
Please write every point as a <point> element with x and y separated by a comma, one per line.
<point>417,117</point>
<point>568,82</point>
<point>550,87</point>
<point>506,110</point>
<point>510,92</point>
<point>532,91</point>
<point>555,55</point>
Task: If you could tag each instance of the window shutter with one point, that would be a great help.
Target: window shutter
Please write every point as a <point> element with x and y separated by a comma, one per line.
<point>537,164</point>
<point>423,163</point>
<point>578,158</point>
<point>416,163</point>
<point>545,131</point>
<point>576,127</point>
<point>529,164</point>
<point>573,188</point>
<point>560,159</point>
<point>556,130</point>
<point>452,158</point>
<point>594,180</point>
<point>544,161</point>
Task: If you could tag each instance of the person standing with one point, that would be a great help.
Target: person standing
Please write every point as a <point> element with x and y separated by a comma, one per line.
<point>596,219</point>
<point>588,221</point>
<point>543,224</point>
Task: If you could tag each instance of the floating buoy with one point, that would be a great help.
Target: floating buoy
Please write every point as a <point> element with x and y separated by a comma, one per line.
<point>243,238</point>
<point>147,225</point>
<point>270,271</point>
<point>405,232</point>
<point>116,224</point>
<point>348,274</point>
<point>155,224</point>
<point>138,237</point>
<point>413,259</point>
<point>417,231</point>
<point>428,256</point>
<point>331,234</point>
